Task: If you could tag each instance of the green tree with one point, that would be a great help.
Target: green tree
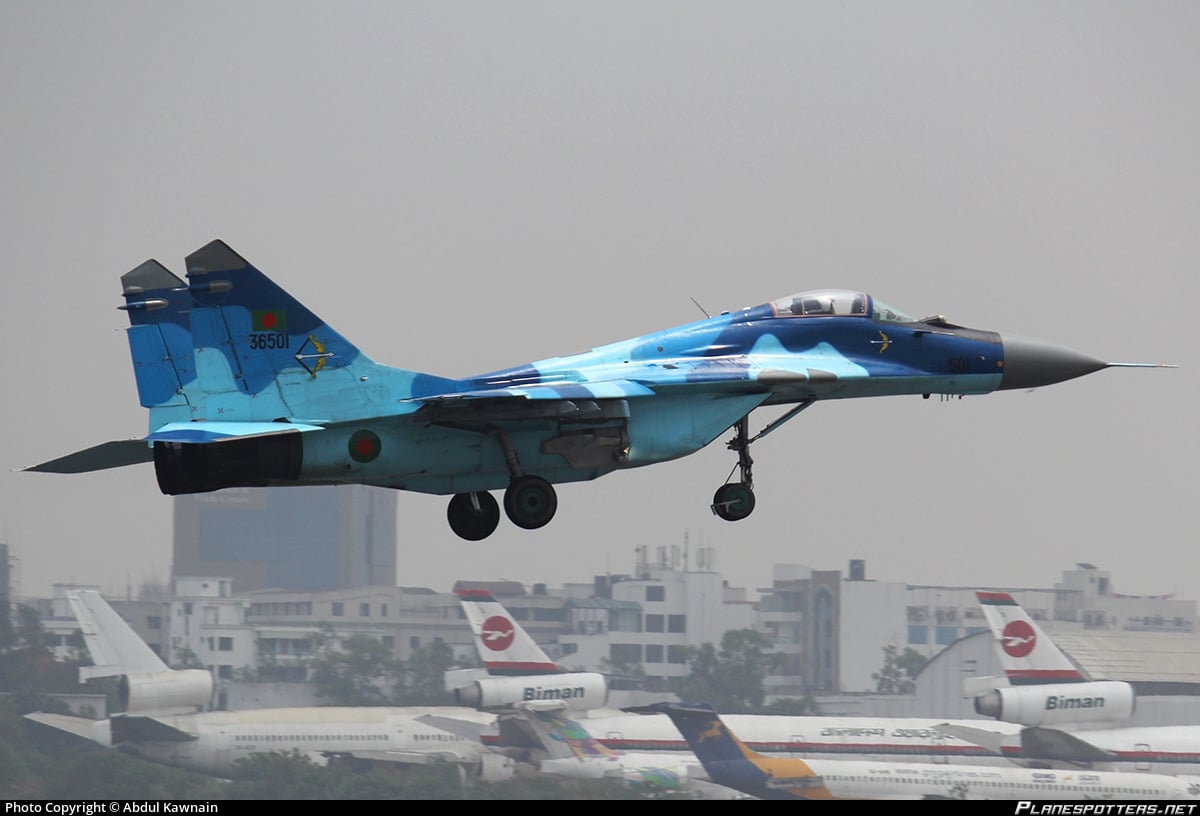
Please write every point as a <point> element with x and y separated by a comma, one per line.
<point>733,678</point>
<point>792,706</point>
<point>896,674</point>
<point>424,675</point>
<point>623,674</point>
<point>358,670</point>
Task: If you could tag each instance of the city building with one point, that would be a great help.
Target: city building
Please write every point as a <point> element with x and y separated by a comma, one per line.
<point>290,538</point>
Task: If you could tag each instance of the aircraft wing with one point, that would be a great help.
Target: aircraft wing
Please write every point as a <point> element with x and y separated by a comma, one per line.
<point>1051,743</point>
<point>146,729</point>
<point>409,757</point>
<point>460,728</point>
<point>565,390</point>
<point>993,741</point>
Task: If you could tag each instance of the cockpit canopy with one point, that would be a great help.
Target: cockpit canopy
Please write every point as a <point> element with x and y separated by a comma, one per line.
<point>840,303</point>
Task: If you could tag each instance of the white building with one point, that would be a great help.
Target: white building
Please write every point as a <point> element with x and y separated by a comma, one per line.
<point>652,619</point>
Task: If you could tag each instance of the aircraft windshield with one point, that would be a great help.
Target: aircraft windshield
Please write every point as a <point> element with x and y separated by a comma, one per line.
<point>824,302</point>
<point>880,311</point>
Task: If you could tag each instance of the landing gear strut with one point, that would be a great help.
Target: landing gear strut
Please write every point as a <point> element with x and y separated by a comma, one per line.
<point>733,501</point>
<point>529,501</point>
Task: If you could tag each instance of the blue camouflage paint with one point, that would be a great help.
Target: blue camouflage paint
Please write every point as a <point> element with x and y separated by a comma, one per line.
<point>200,360</point>
<point>246,387</point>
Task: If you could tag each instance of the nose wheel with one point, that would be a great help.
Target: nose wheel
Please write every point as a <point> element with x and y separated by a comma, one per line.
<point>733,501</point>
<point>473,516</point>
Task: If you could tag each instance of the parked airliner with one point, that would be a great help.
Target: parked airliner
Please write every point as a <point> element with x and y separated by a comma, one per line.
<point>164,720</point>
<point>1067,719</point>
<point>730,763</point>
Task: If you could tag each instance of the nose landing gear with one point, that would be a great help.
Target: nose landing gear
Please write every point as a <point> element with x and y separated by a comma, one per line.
<point>734,500</point>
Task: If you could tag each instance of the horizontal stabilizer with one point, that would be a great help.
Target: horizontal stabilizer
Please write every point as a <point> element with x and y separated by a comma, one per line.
<point>205,432</point>
<point>100,457</point>
<point>79,726</point>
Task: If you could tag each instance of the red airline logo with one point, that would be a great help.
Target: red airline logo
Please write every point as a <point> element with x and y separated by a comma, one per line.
<point>1018,639</point>
<point>497,633</point>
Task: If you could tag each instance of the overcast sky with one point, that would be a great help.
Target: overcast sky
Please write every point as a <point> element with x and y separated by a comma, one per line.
<point>461,187</point>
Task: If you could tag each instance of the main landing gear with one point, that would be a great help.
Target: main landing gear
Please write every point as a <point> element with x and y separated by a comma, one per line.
<point>734,500</point>
<point>529,502</point>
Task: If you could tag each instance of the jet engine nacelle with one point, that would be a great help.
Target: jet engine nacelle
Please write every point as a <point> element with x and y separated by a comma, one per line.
<point>1060,704</point>
<point>159,692</point>
<point>255,462</point>
<point>581,691</point>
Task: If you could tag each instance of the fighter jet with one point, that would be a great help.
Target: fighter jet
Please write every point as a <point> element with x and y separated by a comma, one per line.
<point>248,388</point>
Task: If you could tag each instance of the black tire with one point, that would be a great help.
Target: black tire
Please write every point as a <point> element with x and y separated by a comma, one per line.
<point>469,523</point>
<point>530,502</point>
<point>733,501</point>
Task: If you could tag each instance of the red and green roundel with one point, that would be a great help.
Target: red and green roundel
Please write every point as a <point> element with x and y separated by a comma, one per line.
<point>364,446</point>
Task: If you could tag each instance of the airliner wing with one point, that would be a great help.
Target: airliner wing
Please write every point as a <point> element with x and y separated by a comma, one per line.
<point>1032,743</point>
<point>994,741</point>
<point>146,729</point>
<point>1051,743</point>
<point>406,757</point>
<point>460,728</point>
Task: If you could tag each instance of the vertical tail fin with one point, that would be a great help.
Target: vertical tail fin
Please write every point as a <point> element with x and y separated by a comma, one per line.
<point>147,685</point>
<point>113,645</point>
<point>503,645</point>
<point>160,339</point>
<point>231,345</point>
<point>1029,656</point>
<point>729,762</point>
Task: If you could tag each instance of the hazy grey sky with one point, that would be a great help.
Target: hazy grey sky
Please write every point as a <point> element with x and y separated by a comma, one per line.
<point>460,187</point>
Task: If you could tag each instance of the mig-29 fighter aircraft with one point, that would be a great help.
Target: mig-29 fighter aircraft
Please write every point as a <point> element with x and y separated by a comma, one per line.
<point>248,388</point>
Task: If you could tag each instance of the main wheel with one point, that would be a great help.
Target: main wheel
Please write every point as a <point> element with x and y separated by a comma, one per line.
<point>733,501</point>
<point>530,502</point>
<point>471,523</point>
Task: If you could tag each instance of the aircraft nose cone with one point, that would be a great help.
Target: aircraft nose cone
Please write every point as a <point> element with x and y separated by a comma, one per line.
<point>1032,363</point>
